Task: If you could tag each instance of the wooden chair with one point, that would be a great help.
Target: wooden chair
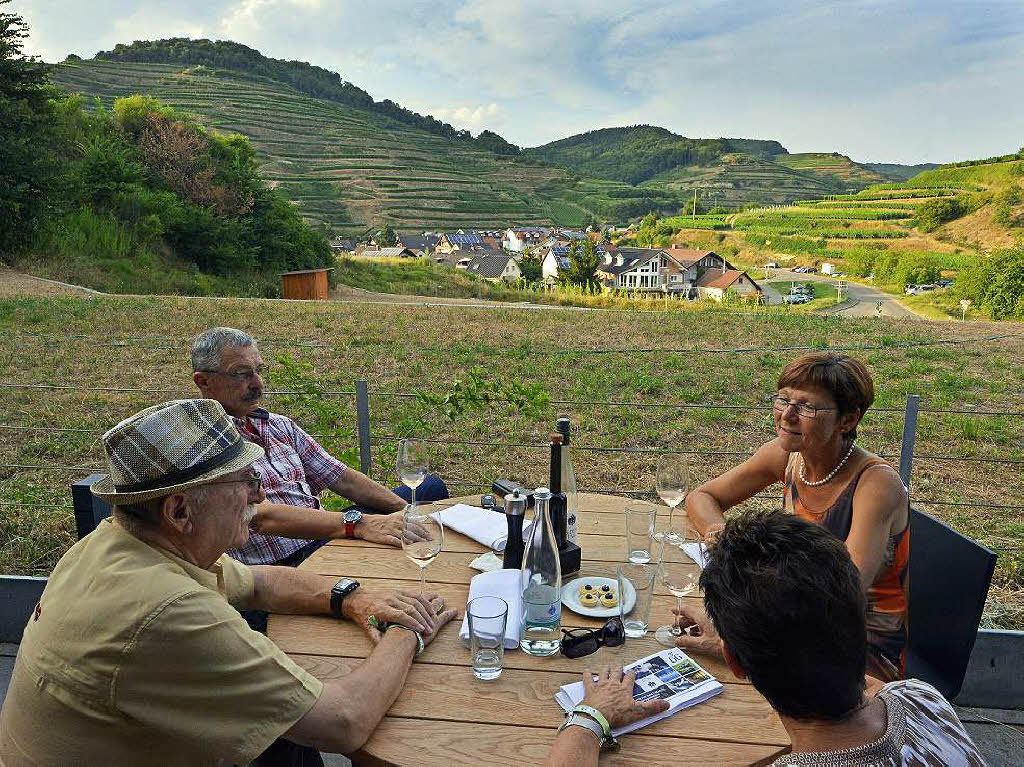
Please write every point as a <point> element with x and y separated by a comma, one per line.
<point>948,582</point>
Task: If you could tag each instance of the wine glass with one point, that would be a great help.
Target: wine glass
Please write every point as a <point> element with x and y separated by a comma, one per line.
<point>679,572</point>
<point>413,464</point>
<point>422,539</point>
<point>673,480</point>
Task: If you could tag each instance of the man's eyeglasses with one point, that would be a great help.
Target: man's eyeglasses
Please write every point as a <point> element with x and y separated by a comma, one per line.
<point>579,642</point>
<point>241,375</point>
<point>254,481</point>
<point>803,409</point>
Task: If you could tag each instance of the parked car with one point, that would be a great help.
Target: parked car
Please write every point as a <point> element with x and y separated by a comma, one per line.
<point>771,265</point>
<point>944,283</point>
<point>796,298</point>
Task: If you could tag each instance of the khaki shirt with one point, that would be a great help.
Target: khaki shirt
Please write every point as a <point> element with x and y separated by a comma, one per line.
<point>136,657</point>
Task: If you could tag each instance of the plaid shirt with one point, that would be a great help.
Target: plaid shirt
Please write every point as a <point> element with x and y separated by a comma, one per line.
<point>295,471</point>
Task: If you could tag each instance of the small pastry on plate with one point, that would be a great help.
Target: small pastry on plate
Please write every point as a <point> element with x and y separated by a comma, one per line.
<point>589,599</point>
<point>609,599</point>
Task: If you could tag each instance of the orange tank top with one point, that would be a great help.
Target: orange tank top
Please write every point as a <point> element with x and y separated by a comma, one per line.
<point>886,597</point>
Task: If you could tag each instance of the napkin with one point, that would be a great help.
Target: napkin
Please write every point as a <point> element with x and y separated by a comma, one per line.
<point>504,584</point>
<point>698,552</point>
<point>483,526</point>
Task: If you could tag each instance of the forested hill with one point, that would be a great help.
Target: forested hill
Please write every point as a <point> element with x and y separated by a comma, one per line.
<point>637,153</point>
<point>306,78</point>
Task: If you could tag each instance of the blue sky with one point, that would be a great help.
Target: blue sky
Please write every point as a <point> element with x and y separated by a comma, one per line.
<point>879,81</point>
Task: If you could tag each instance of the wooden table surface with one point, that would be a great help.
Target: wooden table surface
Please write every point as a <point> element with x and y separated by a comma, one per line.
<point>445,716</point>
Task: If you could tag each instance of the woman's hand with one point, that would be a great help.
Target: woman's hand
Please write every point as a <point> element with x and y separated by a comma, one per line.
<point>612,694</point>
<point>699,634</point>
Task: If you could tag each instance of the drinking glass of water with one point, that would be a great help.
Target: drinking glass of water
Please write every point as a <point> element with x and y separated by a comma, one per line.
<point>640,516</point>
<point>639,577</point>
<point>413,463</point>
<point>680,574</point>
<point>487,618</point>
<point>422,539</point>
<point>673,482</point>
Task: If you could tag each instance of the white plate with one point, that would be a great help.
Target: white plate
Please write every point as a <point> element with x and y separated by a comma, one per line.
<point>571,597</point>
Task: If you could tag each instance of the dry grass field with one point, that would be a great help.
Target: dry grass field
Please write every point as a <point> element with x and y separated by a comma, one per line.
<point>72,367</point>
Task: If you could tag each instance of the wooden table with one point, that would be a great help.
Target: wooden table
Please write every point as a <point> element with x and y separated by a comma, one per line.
<point>445,716</point>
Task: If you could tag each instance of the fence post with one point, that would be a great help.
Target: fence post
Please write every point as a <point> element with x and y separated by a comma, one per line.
<point>909,436</point>
<point>363,425</point>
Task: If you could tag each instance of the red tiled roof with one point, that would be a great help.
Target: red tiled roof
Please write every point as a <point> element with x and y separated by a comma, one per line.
<point>716,278</point>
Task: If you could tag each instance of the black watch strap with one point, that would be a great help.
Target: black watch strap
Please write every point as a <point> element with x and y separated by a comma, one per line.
<point>341,589</point>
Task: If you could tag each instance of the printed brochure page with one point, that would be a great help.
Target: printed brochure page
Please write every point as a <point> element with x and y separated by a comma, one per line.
<point>670,674</point>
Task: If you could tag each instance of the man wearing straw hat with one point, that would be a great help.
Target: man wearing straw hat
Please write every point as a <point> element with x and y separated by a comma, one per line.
<point>136,654</point>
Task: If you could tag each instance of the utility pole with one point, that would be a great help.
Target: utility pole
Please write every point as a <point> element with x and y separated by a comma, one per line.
<point>695,202</point>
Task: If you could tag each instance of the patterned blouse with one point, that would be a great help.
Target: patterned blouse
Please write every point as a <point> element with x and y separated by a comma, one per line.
<point>922,730</point>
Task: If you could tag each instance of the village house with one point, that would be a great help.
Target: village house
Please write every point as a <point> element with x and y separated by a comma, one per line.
<point>341,246</point>
<point>684,267</point>
<point>420,244</point>
<point>495,266</point>
<point>461,259</point>
<point>449,242</point>
<point>387,253</point>
<point>675,270</point>
<point>519,238</point>
<point>715,284</point>
<point>555,259</point>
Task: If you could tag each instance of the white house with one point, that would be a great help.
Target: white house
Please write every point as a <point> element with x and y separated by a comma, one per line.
<point>715,283</point>
<point>495,266</point>
<point>556,258</point>
<point>519,238</point>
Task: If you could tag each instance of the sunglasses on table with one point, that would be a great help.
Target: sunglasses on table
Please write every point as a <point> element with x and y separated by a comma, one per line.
<point>579,642</point>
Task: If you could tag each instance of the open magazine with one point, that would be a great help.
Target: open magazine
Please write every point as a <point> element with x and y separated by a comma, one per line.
<point>670,674</point>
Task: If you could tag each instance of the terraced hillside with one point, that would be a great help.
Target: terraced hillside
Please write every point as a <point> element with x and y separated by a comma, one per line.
<point>834,165</point>
<point>349,169</point>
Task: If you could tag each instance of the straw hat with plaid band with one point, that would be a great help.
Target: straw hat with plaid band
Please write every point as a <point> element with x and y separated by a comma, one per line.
<point>170,447</point>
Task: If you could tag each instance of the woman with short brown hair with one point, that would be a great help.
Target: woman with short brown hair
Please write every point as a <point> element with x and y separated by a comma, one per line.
<point>830,481</point>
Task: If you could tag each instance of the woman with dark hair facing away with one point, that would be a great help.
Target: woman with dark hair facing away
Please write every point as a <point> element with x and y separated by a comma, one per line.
<point>830,481</point>
<point>785,608</point>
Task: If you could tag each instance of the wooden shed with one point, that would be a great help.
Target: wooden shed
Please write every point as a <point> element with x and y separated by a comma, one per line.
<point>308,284</point>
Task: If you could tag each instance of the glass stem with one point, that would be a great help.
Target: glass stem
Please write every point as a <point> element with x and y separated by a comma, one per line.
<point>413,502</point>
<point>679,606</point>
<point>423,580</point>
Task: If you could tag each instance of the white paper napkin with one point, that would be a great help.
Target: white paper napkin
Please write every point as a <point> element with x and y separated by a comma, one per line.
<point>698,552</point>
<point>504,584</point>
<point>483,526</point>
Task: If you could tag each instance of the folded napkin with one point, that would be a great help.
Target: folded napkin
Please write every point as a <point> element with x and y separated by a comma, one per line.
<point>483,526</point>
<point>698,552</point>
<point>504,584</point>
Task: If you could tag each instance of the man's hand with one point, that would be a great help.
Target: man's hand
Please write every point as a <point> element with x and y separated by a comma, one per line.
<point>699,634</point>
<point>612,695</point>
<point>387,529</point>
<point>424,613</point>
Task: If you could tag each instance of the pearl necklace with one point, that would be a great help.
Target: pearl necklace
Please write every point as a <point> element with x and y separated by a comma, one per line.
<point>832,473</point>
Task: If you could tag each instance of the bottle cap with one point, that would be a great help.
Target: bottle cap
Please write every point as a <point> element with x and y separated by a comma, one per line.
<point>515,503</point>
<point>542,494</point>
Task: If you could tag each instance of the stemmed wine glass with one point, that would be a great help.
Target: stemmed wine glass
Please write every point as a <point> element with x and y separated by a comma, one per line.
<point>413,464</point>
<point>679,573</point>
<point>673,481</point>
<point>422,539</point>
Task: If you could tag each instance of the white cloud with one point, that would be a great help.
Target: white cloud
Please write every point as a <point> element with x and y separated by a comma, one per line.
<point>908,80</point>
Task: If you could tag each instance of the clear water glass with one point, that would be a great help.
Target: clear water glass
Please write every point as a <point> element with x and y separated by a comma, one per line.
<point>640,517</point>
<point>641,578</point>
<point>487,618</point>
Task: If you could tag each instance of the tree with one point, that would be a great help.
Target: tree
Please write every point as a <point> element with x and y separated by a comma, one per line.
<point>27,164</point>
<point>583,263</point>
<point>387,237</point>
<point>530,267</point>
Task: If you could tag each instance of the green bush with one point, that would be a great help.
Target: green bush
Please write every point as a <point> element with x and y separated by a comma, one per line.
<point>934,213</point>
<point>996,284</point>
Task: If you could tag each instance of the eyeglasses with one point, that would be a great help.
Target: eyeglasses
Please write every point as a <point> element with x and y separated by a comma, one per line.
<point>241,375</point>
<point>579,642</point>
<point>803,409</point>
<point>255,482</point>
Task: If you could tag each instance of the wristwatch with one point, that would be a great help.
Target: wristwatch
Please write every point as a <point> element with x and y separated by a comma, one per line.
<point>576,719</point>
<point>352,516</point>
<point>341,589</point>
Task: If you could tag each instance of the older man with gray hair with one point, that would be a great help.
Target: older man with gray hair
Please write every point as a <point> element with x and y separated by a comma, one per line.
<point>135,653</point>
<point>290,525</point>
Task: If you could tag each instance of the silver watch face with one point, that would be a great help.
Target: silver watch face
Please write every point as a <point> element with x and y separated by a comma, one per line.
<point>353,516</point>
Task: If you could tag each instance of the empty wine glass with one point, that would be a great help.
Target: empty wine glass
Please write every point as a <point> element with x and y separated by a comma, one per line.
<point>679,572</point>
<point>413,463</point>
<point>673,481</point>
<point>422,539</point>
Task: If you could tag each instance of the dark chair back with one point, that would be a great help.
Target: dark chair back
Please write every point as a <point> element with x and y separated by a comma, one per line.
<point>18,597</point>
<point>89,510</point>
<point>948,582</point>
